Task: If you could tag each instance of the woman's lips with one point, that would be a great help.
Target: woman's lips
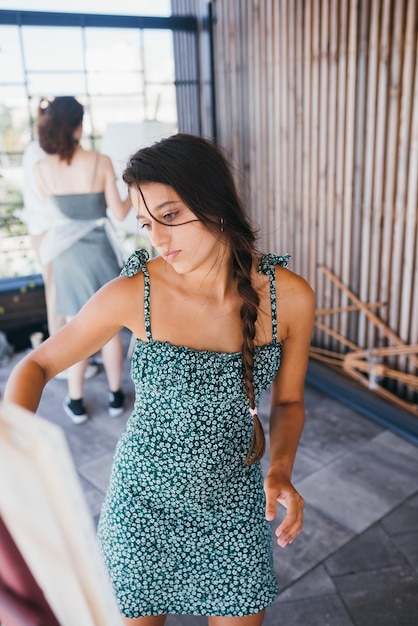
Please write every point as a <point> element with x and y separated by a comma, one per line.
<point>171,255</point>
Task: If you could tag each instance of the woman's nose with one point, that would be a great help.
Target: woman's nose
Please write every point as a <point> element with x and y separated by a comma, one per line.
<point>160,234</point>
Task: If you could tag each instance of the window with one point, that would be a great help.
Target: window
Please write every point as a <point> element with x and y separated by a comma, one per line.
<point>120,67</point>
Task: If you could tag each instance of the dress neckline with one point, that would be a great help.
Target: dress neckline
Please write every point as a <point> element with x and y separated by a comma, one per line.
<point>184,348</point>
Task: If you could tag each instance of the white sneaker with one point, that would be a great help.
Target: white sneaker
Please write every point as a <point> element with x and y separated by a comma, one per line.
<point>91,371</point>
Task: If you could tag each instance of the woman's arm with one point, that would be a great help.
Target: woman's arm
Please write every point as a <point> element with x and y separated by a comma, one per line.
<point>119,207</point>
<point>110,309</point>
<point>297,306</point>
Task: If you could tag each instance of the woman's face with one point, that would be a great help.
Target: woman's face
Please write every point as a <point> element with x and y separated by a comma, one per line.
<point>174,230</point>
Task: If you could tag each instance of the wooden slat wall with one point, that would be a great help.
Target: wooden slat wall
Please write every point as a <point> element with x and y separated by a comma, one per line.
<point>317,101</point>
<point>186,66</point>
<point>193,71</point>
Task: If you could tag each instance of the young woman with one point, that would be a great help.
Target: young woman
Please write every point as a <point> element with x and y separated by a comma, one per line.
<point>79,185</point>
<point>185,523</point>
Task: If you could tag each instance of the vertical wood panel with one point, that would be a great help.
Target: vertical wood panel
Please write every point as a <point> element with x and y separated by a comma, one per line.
<point>315,246</point>
<point>275,239</point>
<point>404,147</point>
<point>333,150</point>
<point>376,257</point>
<point>390,218</point>
<point>249,169</point>
<point>308,269</point>
<point>290,125</point>
<point>322,128</point>
<point>369,163</point>
<point>298,208</point>
<point>340,153</point>
<point>283,138</point>
<point>408,273</point>
<point>350,118</point>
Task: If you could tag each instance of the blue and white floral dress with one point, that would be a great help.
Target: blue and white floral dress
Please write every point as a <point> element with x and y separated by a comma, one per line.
<point>182,528</point>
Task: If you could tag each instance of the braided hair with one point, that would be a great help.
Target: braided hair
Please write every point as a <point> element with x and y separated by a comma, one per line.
<point>200,173</point>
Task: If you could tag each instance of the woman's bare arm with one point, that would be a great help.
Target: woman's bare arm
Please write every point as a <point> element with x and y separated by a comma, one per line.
<point>287,405</point>
<point>114,306</point>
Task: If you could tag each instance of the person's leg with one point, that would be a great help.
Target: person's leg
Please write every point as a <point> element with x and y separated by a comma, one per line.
<point>248,620</point>
<point>112,354</point>
<point>55,320</point>
<point>73,403</point>
<point>75,375</point>
<point>152,620</point>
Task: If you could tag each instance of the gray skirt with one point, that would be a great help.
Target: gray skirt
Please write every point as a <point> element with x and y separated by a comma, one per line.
<point>82,269</point>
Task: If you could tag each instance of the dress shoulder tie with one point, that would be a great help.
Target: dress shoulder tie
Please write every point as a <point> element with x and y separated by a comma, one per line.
<point>135,263</point>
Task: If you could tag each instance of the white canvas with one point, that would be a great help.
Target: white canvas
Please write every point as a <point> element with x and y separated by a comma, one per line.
<point>43,506</point>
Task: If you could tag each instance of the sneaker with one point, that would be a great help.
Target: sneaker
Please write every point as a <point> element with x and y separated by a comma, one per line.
<point>116,401</point>
<point>75,410</point>
<point>91,371</point>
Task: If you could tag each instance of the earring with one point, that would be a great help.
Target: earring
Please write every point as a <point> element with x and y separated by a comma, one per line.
<point>222,222</point>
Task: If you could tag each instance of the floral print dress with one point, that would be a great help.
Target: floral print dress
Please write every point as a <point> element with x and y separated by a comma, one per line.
<point>182,528</point>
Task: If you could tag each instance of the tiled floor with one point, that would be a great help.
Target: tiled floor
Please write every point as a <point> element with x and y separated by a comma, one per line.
<point>356,563</point>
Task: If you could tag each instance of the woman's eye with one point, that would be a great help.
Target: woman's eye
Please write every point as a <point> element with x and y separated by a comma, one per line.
<point>147,226</point>
<point>169,217</point>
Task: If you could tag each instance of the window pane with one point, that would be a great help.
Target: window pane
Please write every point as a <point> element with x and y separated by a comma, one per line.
<point>161,103</point>
<point>53,48</point>
<point>14,120</point>
<point>112,50</point>
<point>11,69</point>
<point>56,84</point>
<point>159,56</point>
<point>113,83</point>
<point>112,109</point>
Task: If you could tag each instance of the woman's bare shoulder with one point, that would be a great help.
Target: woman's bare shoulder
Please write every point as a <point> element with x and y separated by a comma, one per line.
<point>295,298</point>
<point>289,277</point>
<point>104,162</point>
<point>123,298</point>
<point>122,291</point>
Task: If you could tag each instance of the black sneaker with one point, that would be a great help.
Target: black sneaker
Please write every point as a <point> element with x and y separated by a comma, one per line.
<point>116,401</point>
<point>75,410</point>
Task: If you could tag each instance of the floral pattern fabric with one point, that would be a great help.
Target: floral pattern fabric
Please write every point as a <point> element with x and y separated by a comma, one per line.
<point>182,528</point>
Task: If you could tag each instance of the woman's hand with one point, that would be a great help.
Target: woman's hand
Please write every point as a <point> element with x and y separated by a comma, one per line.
<point>278,488</point>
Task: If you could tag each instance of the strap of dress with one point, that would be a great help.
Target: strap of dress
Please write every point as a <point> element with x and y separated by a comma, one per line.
<point>267,265</point>
<point>138,262</point>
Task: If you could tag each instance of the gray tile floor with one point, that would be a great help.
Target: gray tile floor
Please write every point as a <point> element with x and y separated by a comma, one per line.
<point>356,563</point>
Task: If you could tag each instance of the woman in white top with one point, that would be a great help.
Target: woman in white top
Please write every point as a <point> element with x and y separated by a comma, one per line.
<point>79,185</point>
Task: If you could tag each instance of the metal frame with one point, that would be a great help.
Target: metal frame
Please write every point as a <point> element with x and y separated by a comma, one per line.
<point>43,18</point>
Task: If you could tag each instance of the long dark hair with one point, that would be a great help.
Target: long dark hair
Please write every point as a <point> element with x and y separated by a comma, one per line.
<point>57,121</point>
<point>201,175</point>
